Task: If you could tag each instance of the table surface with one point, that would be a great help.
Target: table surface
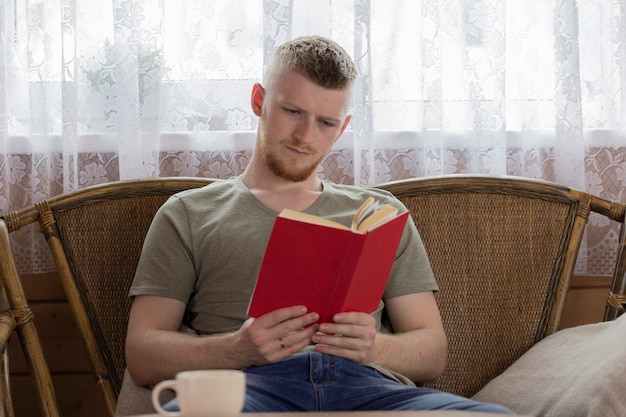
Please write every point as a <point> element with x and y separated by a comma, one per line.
<point>370,414</point>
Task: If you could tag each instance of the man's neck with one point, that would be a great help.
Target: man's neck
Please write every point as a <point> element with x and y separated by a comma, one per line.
<point>278,193</point>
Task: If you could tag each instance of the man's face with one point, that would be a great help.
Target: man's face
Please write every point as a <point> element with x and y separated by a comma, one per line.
<point>299,123</point>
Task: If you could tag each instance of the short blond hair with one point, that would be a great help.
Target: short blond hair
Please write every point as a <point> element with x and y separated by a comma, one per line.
<point>321,60</point>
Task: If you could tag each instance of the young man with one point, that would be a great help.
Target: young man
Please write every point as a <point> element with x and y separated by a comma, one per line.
<point>203,251</point>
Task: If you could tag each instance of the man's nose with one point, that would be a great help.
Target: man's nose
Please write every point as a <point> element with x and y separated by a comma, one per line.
<point>305,132</point>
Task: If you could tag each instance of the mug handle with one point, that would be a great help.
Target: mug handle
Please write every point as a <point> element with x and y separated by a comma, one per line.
<point>156,391</point>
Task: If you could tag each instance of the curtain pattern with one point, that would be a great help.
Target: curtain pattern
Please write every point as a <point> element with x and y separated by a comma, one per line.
<point>93,91</point>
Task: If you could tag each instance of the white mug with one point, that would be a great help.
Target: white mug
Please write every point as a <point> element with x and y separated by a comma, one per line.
<point>204,393</point>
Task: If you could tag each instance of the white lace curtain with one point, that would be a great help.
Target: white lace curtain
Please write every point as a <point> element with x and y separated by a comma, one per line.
<point>99,90</point>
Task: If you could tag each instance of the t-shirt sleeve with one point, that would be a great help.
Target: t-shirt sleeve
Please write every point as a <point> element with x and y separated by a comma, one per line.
<point>411,271</point>
<point>166,265</point>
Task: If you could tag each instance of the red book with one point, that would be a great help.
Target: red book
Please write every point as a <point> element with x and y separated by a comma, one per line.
<point>326,266</point>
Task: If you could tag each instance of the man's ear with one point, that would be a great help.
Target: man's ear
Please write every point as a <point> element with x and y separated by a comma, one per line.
<point>256,99</point>
<point>345,125</point>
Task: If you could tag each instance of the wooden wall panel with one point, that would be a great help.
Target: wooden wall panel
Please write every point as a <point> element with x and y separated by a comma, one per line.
<point>76,389</point>
<point>62,344</point>
<point>77,395</point>
<point>75,386</point>
<point>586,301</point>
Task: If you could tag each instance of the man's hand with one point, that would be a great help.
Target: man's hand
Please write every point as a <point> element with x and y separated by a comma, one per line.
<point>275,335</point>
<point>417,349</point>
<point>350,336</point>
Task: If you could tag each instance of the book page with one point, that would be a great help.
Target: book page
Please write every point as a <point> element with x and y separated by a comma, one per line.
<point>363,211</point>
<point>369,216</point>
<point>310,218</point>
<point>378,217</point>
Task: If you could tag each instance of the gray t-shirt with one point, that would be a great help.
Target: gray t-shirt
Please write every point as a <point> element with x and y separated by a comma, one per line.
<point>205,248</point>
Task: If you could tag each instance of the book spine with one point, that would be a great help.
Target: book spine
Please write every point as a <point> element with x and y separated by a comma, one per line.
<point>371,271</point>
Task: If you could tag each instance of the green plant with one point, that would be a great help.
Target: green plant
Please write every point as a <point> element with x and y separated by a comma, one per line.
<point>100,68</point>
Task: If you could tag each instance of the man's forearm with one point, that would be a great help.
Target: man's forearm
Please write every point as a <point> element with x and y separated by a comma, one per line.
<point>159,354</point>
<point>420,355</point>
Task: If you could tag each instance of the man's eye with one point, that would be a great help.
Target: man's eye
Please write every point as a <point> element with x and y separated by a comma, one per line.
<point>327,123</point>
<point>292,111</point>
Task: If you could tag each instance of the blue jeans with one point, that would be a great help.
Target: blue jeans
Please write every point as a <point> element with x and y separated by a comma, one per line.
<point>319,382</point>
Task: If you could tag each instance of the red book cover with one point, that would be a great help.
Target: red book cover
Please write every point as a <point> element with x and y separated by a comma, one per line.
<point>325,268</point>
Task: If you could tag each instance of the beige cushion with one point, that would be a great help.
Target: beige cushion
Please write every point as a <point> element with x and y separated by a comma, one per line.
<point>133,399</point>
<point>579,371</point>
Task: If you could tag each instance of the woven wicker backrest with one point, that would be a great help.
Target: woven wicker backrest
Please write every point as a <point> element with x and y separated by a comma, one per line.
<point>499,251</point>
<point>102,243</point>
<point>96,235</point>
